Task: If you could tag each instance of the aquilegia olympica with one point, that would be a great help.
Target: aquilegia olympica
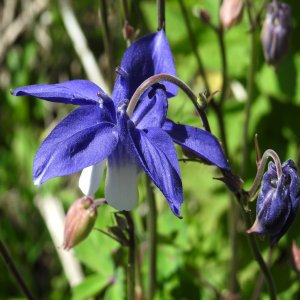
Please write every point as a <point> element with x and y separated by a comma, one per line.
<point>101,129</point>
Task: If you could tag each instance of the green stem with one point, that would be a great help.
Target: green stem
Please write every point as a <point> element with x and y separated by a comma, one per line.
<point>260,280</point>
<point>250,88</point>
<point>106,40</point>
<point>125,10</point>
<point>194,44</point>
<point>152,240</point>
<point>169,78</point>
<point>233,214</point>
<point>220,33</point>
<point>258,257</point>
<point>199,61</point>
<point>14,271</point>
<point>131,257</point>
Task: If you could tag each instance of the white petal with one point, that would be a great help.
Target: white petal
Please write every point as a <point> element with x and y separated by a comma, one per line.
<point>90,178</point>
<point>121,190</point>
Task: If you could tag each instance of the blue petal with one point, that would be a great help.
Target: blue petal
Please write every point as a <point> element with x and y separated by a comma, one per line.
<point>78,141</point>
<point>151,112</point>
<point>275,206</point>
<point>199,142</point>
<point>146,57</point>
<point>157,156</point>
<point>289,168</point>
<point>77,92</point>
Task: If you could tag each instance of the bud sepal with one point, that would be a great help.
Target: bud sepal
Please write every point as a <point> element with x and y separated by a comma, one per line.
<point>277,202</point>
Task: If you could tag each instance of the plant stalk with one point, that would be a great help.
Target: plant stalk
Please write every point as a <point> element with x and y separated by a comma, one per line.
<point>14,271</point>
<point>152,240</point>
<point>202,72</point>
<point>161,19</point>
<point>131,257</point>
<point>250,92</point>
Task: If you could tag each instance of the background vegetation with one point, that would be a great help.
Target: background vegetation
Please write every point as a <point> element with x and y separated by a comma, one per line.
<point>195,254</point>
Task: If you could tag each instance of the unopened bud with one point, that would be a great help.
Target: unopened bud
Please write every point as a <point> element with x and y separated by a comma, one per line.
<point>277,202</point>
<point>296,256</point>
<point>276,32</point>
<point>79,221</point>
<point>204,16</point>
<point>231,12</point>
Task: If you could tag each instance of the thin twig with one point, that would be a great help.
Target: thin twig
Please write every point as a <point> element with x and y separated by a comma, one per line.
<point>14,271</point>
<point>11,32</point>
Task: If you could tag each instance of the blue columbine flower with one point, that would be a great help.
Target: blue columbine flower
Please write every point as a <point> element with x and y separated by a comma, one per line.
<point>277,202</point>
<point>100,129</point>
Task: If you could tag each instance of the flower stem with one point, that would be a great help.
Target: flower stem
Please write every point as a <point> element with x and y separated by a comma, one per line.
<point>169,78</point>
<point>194,44</point>
<point>250,87</point>
<point>260,280</point>
<point>216,107</point>
<point>258,257</point>
<point>131,258</point>
<point>14,271</point>
<point>107,40</point>
<point>161,21</point>
<point>220,33</point>
<point>260,171</point>
<point>152,240</point>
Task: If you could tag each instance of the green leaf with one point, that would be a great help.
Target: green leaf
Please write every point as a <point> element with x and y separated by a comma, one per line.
<point>91,286</point>
<point>117,289</point>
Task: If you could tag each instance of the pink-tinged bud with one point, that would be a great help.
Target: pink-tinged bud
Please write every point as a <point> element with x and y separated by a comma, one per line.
<point>276,32</point>
<point>231,12</point>
<point>79,221</point>
<point>296,256</point>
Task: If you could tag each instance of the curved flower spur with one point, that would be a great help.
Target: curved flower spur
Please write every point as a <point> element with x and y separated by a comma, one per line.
<point>101,129</point>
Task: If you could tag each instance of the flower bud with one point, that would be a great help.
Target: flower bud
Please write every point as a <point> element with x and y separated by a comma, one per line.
<point>295,256</point>
<point>204,16</point>
<point>79,221</point>
<point>276,32</point>
<point>231,12</point>
<point>277,202</point>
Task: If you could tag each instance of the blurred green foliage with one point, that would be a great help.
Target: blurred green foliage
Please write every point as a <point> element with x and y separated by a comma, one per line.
<point>194,254</point>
